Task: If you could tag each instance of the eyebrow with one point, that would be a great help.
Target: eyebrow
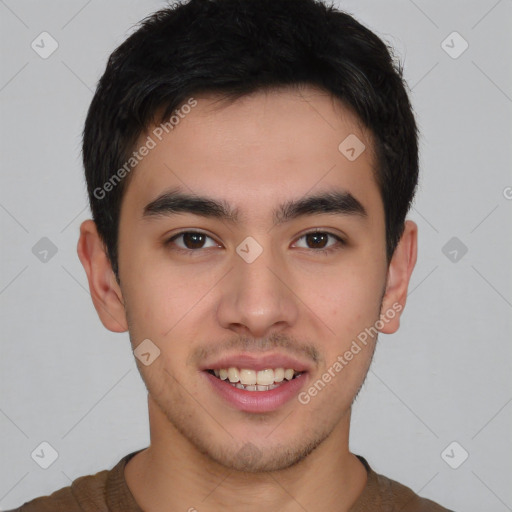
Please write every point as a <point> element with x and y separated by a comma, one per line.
<point>175,201</point>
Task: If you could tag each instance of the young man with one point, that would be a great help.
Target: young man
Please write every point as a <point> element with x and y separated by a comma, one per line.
<point>250,164</point>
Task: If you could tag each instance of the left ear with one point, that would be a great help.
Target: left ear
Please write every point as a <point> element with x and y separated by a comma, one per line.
<point>399,273</point>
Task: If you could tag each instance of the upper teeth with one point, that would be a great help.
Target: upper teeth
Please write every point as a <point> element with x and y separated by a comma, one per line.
<point>261,377</point>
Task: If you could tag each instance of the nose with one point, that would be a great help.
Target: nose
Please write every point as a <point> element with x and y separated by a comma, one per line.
<point>258,297</point>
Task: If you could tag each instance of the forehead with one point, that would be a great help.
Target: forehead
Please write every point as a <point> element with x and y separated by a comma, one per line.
<point>264,147</point>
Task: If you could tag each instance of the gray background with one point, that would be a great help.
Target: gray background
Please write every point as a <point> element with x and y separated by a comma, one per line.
<point>444,377</point>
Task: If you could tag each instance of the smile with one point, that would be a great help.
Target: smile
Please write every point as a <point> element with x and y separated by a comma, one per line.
<point>255,380</point>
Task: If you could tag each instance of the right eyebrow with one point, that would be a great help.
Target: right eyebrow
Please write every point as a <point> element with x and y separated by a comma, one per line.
<point>175,201</point>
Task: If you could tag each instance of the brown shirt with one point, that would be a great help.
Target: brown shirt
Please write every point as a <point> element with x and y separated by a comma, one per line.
<point>107,491</point>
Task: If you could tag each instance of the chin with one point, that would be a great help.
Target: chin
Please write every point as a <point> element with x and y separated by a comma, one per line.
<point>235,448</point>
<point>251,459</point>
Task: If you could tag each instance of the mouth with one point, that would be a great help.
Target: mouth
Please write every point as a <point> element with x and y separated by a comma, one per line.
<point>248,379</point>
<point>253,383</point>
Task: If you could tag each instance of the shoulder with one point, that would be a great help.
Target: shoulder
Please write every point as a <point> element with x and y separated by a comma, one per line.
<point>384,494</point>
<point>86,493</point>
<point>404,498</point>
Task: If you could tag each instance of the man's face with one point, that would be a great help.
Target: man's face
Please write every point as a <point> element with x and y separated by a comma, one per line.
<point>211,301</point>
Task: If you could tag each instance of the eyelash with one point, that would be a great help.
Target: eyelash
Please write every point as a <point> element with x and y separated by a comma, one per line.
<point>190,252</point>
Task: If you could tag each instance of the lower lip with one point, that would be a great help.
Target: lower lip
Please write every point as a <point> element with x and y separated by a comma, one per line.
<point>257,401</point>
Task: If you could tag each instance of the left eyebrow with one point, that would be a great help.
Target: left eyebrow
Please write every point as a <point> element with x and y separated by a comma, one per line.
<point>333,202</point>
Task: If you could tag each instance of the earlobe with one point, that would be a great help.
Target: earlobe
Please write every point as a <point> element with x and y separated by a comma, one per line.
<point>105,291</point>
<point>399,274</point>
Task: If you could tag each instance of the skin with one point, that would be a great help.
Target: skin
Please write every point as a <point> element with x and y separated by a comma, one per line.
<point>256,153</point>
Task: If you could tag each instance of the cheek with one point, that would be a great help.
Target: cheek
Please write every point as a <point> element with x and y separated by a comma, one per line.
<point>161,309</point>
<point>157,307</point>
<point>347,299</point>
<point>163,297</point>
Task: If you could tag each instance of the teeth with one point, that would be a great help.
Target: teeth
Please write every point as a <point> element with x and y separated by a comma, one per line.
<point>265,377</point>
<point>247,377</point>
<point>233,375</point>
<point>278,375</point>
<point>256,387</point>
<point>253,380</point>
<point>288,374</point>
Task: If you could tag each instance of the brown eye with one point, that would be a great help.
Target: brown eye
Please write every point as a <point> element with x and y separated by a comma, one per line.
<point>318,240</point>
<point>190,240</point>
<point>193,240</point>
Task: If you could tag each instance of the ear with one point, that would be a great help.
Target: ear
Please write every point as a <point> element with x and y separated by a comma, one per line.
<point>105,291</point>
<point>399,273</point>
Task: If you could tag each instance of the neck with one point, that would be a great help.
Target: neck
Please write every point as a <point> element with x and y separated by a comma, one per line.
<point>171,474</point>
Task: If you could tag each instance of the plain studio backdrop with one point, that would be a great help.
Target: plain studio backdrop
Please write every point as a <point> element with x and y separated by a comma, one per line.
<point>435,412</point>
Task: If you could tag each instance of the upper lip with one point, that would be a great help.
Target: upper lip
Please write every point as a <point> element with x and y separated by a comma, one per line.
<point>257,362</point>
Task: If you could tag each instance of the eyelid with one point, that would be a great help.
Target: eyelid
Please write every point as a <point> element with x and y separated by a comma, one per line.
<point>340,239</point>
<point>169,239</point>
<point>324,231</point>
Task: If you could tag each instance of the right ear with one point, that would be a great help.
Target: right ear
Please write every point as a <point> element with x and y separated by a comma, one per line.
<point>105,291</point>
